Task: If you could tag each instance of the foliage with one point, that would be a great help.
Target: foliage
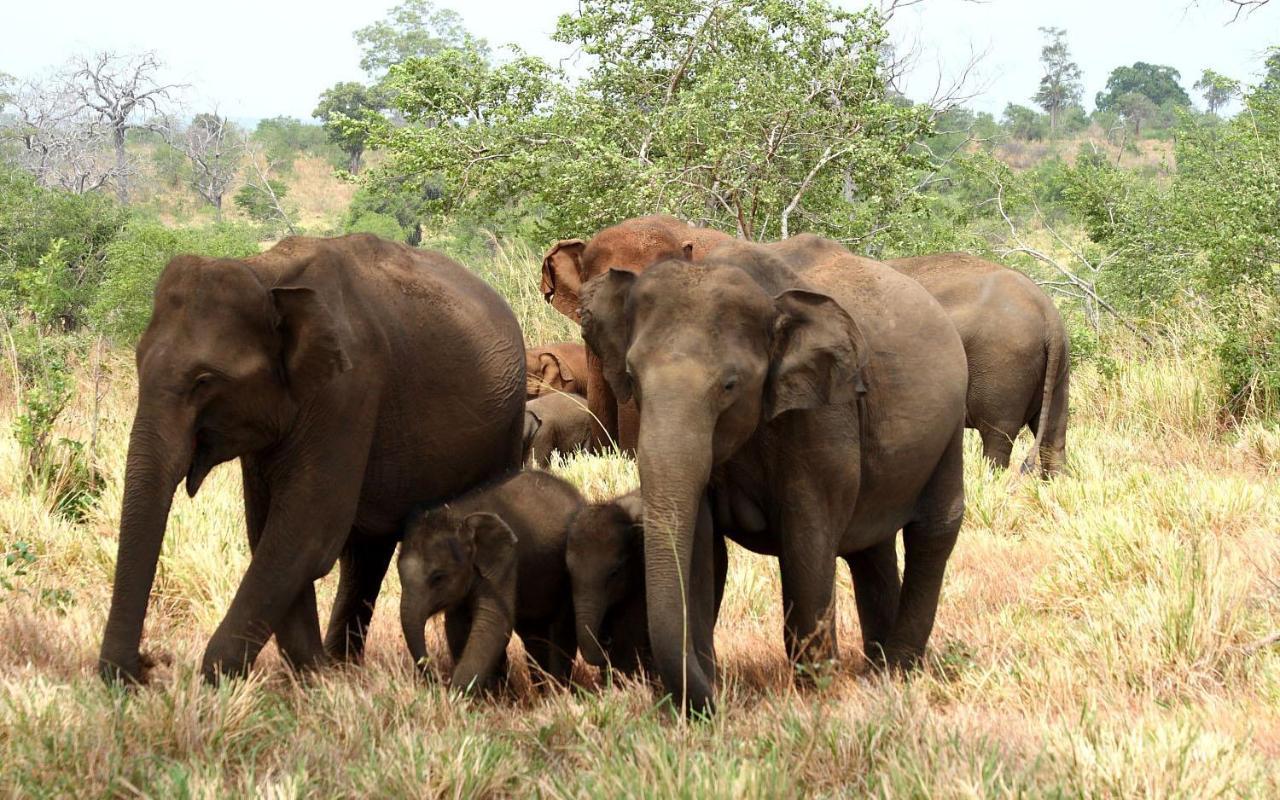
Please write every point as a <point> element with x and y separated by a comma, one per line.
<point>407,199</point>
<point>413,29</point>
<point>1158,84</point>
<point>283,139</point>
<point>1216,89</point>
<point>1024,123</point>
<point>760,117</point>
<point>383,225</point>
<point>342,105</point>
<point>51,246</point>
<point>136,258</point>
<point>1060,85</point>
<point>255,201</point>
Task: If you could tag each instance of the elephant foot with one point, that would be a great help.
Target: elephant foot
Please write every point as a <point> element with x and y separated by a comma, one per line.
<point>142,671</point>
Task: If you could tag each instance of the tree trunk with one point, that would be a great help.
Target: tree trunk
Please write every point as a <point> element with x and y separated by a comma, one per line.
<point>122,160</point>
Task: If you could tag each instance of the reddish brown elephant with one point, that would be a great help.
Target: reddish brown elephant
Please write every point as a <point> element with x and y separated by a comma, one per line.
<point>632,245</point>
<point>559,367</point>
<point>1018,352</point>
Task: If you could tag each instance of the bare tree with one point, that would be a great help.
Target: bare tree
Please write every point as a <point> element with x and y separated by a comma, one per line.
<point>259,179</point>
<point>119,88</point>
<point>57,141</point>
<point>214,148</point>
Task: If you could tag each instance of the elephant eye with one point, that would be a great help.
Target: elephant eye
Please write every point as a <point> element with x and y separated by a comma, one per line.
<point>437,578</point>
<point>731,383</point>
<point>202,380</point>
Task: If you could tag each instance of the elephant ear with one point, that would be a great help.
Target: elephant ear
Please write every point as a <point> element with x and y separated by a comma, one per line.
<point>818,354</point>
<point>555,373</point>
<point>494,545</point>
<point>562,276</point>
<point>532,424</point>
<point>606,326</point>
<point>310,340</point>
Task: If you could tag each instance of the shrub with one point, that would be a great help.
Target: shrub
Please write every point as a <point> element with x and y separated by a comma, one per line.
<point>382,225</point>
<point>257,203</point>
<point>134,262</point>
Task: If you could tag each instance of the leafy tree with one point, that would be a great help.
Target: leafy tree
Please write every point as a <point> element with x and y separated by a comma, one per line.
<point>1271,78</point>
<point>1060,86</point>
<point>284,138</point>
<point>1157,83</point>
<point>413,29</point>
<point>1216,89</point>
<point>257,202</point>
<point>342,107</point>
<point>762,117</point>
<point>1136,109</point>
<point>1024,123</point>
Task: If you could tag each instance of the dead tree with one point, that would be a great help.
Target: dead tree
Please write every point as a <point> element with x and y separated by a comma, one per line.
<point>214,149</point>
<point>119,89</point>
<point>57,141</point>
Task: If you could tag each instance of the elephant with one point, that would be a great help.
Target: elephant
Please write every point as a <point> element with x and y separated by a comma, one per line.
<point>560,367</point>
<point>318,365</point>
<point>1018,351</point>
<point>558,422</point>
<point>493,560</point>
<point>632,245</point>
<point>808,416</point>
<point>605,557</point>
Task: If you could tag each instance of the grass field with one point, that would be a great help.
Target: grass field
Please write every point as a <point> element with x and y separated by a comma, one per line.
<point>1110,634</point>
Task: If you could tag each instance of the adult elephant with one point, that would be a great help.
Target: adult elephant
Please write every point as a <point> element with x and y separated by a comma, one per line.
<point>630,245</point>
<point>808,416</point>
<point>1018,351</point>
<point>318,364</point>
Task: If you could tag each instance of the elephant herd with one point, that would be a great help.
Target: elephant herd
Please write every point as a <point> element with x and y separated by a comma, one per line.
<point>800,400</point>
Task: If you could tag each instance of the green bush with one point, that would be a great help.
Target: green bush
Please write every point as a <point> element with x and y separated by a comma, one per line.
<point>136,258</point>
<point>383,225</point>
<point>52,244</point>
<point>257,203</point>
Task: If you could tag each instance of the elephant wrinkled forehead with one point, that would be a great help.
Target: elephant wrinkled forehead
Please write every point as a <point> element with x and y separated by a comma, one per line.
<point>600,524</point>
<point>208,292</point>
<point>715,295</point>
<point>434,534</point>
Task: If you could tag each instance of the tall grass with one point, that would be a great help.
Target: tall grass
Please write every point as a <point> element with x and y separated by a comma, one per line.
<point>1111,633</point>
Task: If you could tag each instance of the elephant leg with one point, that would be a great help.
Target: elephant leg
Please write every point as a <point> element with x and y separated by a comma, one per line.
<point>808,580</point>
<point>306,526</point>
<point>720,553</point>
<point>563,637</point>
<point>601,402</point>
<point>457,629</point>
<point>363,566</point>
<point>298,634</point>
<point>537,647</point>
<point>997,445</point>
<point>928,542</point>
<point>876,589</point>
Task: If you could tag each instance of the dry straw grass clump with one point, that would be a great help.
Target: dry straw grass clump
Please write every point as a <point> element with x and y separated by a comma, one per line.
<point>1111,633</point>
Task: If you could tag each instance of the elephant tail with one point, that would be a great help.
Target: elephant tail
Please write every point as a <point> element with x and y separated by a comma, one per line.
<point>1056,364</point>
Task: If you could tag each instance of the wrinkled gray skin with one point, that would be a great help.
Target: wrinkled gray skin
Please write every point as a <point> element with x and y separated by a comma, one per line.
<point>558,422</point>
<point>807,417</point>
<point>493,561</point>
<point>1018,352</point>
<point>318,364</point>
<point>606,567</point>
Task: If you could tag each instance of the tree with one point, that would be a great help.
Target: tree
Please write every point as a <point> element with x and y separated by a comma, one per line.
<point>1216,89</point>
<point>1023,123</point>
<point>751,115</point>
<point>213,146</point>
<point>1271,78</point>
<point>1137,109</point>
<point>118,89</point>
<point>413,29</point>
<point>341,109</point>
<point>58,141</point>
<point>1157,83</point>
<point>1060,86</point>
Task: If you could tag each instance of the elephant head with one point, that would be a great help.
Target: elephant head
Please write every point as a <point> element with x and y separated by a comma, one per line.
<point>446,560</point>
<point>547,371</point>
<point>710,357</point>
<point>605,558</point>
<point>224,366</point>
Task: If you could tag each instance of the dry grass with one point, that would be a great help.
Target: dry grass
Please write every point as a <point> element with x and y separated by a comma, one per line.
<point>1100,635</point>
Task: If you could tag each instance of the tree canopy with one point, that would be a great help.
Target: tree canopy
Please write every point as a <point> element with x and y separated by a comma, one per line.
<point>1159,84</point>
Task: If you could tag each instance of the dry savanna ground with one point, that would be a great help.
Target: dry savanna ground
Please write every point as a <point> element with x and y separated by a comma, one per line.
<point>1109,634</point>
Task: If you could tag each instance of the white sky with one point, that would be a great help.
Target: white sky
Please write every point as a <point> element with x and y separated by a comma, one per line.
<point>270,57</point>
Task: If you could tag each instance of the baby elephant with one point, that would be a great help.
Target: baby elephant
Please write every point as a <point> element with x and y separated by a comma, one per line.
<point>559,367</point>
<point>558,422</point>
<point>493,560</point>
<point>606,567</point>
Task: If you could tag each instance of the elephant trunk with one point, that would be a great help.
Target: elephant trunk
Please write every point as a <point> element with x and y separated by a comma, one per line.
<point>160,450</point>
<point>413,621</point>
<point>589,617</point>
<point>674,458</point>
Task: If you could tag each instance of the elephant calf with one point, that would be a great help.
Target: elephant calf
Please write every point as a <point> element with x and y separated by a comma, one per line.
<point>606,568</point>
<point>551,368</point>
<point>558,422</point>
<point>493,560</point>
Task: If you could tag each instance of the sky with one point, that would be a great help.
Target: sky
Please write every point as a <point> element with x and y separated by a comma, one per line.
<point>270,57</point>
